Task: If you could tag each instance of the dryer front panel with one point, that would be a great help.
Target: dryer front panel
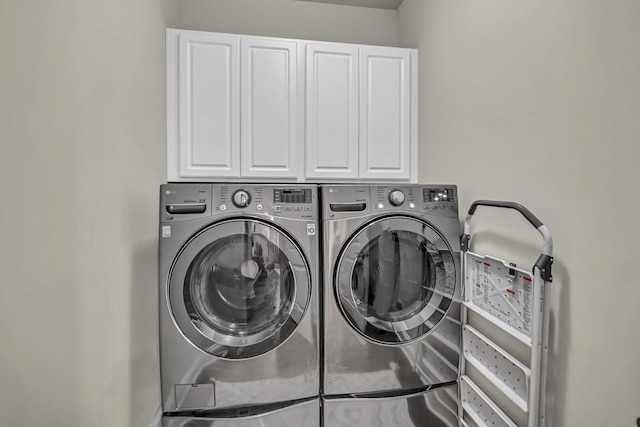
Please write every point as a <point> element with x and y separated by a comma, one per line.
<point>239,288</point>
<point>395,280</point>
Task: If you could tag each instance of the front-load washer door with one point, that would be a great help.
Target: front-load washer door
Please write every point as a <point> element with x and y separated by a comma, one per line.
<point>395,280</point>
<point>239,288</point>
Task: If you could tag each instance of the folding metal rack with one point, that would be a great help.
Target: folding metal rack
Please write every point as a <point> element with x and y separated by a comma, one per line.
<point>515,301</point>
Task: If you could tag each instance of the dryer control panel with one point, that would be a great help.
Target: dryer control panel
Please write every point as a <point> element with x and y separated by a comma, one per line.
<point>434,200</point>
<point>348,201</point>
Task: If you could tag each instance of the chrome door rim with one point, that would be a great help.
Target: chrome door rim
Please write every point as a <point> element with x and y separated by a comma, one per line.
<point>199,332</point>
<point>418,325</point>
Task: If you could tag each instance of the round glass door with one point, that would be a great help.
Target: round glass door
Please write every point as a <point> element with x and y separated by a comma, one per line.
<point>395,280</point>
<point>239,288</point>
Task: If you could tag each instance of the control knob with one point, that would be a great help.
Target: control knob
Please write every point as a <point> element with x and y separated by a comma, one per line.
<point>396,197</point>
<point>241,199</point>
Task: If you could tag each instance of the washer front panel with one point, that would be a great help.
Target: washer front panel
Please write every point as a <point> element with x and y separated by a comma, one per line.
<point>395,280</point>
<point>239,288</point>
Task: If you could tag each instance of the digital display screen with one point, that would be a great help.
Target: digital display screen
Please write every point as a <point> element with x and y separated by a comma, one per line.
<point>438,195</point>
<point>292,195</point>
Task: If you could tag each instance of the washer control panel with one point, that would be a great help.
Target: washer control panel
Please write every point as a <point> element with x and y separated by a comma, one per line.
<point>294,201</point>
<point>181,202</point>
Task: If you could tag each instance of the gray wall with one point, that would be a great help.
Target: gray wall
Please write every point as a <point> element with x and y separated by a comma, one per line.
<point>289,19</point>
<point>539,102</point>
<point>82,140</point>
<point>535,102</point>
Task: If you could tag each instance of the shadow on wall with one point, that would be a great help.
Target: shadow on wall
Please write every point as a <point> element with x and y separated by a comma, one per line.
<point>144,386</point>
<point>559,343</point>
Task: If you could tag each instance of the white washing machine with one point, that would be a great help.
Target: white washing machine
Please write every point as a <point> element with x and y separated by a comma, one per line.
<point>239,329</point>
<point>391,304</point>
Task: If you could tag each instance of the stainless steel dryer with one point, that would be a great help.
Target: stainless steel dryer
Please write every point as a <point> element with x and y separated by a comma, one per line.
<point>238,304</point>
<point>391,304</point>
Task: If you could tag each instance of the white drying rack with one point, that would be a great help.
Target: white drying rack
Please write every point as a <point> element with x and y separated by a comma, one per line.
<point>514,301</point>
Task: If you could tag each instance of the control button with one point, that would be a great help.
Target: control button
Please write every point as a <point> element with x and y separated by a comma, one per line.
<point>259,206</point>
<point>412,205</point>
<point>396,197</point>
<point>241,199</point>
<point>223,208</point>
<point>307,208</point>
<point>297,208</point>
<point>287,208</point>
<point>380,205</point>
<point>277,208</point>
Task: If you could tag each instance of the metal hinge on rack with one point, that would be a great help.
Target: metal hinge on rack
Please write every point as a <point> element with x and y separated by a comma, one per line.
<point>515,301</point>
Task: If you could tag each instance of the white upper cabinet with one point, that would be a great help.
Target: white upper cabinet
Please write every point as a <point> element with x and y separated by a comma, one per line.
<point>332,111</point>
<point>385,114</point>
<point>361,112</point>
<point>268,109</point>
<point>269,104</point>
<point>232,107</point>
<point>203,109</point>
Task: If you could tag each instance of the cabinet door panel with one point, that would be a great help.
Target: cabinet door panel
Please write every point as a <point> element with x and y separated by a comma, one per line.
<point>269,94</point>
<point>332,111</point>
<point>385,114</point>
<point>208,114</point>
